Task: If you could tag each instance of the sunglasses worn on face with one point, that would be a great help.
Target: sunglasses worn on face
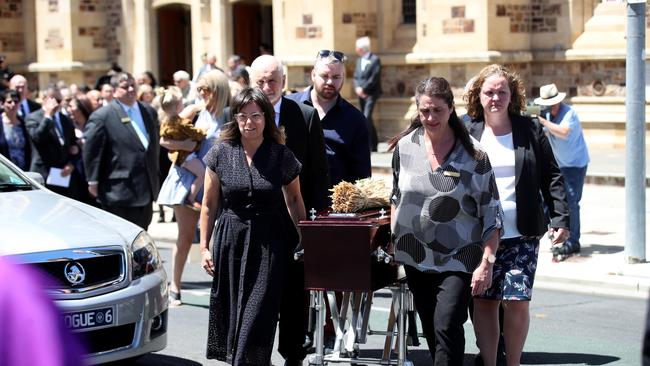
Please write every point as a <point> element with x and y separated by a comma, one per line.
<point>336,54</point>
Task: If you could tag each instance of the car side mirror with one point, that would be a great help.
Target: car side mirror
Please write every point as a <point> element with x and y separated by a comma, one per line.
<point>36,177</point>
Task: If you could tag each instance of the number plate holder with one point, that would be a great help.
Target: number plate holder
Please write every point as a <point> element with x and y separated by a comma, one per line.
<point>90,319</point>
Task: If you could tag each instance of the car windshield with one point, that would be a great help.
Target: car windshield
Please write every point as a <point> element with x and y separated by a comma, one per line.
<point>10,180</point>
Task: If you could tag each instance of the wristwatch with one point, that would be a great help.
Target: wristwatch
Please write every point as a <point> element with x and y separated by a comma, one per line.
<point>490,258</point>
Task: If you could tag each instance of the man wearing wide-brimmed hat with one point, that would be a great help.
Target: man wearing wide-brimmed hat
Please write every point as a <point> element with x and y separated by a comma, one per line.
<point>565,135</point>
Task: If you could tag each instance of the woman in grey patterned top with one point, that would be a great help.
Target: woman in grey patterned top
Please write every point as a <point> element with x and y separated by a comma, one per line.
<point>445,218</point>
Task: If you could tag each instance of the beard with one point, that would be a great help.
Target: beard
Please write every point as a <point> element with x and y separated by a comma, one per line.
<point>327,93</point>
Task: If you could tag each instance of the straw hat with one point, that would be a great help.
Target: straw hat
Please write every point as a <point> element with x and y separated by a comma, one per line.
<point>548,95</point>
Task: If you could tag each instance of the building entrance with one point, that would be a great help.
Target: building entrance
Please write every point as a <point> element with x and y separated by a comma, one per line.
<point>174,41</point>
<point>252,28</point>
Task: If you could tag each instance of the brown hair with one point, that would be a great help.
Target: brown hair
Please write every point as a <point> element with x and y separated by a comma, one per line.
<point>230,131</point>
<point>518,92</point>
<point>439,88</point>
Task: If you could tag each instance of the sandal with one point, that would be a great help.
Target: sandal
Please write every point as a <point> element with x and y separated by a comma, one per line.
<point>174,299</point>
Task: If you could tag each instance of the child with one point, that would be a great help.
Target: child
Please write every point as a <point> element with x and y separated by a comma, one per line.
<point>176,128</point>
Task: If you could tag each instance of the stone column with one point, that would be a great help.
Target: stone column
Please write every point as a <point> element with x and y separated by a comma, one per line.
<point>221,40</point>
<point>142,36</point>
<point>53,38</point>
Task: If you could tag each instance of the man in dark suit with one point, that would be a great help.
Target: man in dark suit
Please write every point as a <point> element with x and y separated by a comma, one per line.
<point>367,84</point>
<point>121,154</point>
<point>304,137</point>
<point>54,144</point>
<point>26,105</point>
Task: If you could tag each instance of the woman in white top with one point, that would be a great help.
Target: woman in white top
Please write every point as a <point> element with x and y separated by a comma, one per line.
<point>525,170</point>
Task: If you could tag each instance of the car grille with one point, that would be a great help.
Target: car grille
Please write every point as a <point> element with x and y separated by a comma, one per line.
<point>107,339</point>
<point>81,270</point>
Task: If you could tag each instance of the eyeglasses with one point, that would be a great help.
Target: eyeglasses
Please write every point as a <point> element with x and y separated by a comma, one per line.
<point>340,56</point>
<point>202,89</point>
<point>255,117</point>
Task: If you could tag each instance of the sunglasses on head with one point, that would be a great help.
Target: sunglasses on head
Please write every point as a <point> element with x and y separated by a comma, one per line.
<point>336,54</point>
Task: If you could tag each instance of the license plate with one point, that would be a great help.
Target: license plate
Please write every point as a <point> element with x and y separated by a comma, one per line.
<point>90,318</point>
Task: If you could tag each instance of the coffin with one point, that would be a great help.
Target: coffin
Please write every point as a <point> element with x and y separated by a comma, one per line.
<point>339,251</point>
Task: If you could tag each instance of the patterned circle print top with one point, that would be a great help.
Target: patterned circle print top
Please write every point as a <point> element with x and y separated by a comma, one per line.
<point>443,216</point>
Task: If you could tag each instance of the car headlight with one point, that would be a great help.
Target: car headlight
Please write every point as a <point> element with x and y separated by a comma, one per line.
<point>145,255</point>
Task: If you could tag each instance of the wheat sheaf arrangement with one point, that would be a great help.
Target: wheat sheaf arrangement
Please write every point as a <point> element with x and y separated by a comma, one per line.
<point>364,194</point>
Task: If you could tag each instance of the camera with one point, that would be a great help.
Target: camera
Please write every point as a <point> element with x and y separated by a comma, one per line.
<point>534,110</point>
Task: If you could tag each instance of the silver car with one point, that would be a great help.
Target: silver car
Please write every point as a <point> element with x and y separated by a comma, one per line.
<point>110,284</point>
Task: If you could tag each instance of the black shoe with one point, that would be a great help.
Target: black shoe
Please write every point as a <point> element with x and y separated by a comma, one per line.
<point>173,218</point>
<point>292,362</point>
<point>161,219</point>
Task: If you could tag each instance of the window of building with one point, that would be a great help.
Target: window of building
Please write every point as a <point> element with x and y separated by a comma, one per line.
<point>408,11</point>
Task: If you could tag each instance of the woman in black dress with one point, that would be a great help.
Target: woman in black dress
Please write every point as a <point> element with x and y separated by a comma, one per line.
<point>252,180</point>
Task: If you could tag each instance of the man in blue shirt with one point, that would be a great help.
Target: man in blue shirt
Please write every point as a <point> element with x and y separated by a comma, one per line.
<point>344,126</point>
<point>564,132</point>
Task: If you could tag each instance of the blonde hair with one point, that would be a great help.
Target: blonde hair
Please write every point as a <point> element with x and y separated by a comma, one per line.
<point>171,98</point>
<point>144,88</point>
<point>217,82</point>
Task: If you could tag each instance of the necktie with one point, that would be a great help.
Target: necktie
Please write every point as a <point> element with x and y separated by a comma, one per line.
<point>59,128</point>
<point>138,126</point>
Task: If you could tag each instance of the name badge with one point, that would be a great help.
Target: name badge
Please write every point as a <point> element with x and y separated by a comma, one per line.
<point>126,120</point>
<point>451,174</point>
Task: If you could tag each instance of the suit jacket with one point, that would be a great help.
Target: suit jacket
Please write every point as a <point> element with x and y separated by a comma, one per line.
<point>369,79</point>
<point>535,171</point>
<point>114,157</point>
<point>32,105</point>
<point>48,151</point>
<point>304,137</point>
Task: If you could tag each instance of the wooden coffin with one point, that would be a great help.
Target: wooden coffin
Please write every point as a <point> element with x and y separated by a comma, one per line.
<point>338,251</point>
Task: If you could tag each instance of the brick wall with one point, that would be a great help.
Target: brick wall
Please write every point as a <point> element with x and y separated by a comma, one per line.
<point>12,42</point>
<point>539,16</point>
<point>11,9</point>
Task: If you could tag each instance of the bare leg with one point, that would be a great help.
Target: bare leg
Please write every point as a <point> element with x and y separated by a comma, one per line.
<point>486,328</point>
<point>196,167</point>
<point>515,329</point>
<point>186,220</point>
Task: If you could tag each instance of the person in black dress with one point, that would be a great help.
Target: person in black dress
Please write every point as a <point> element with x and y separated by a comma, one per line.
<point>252,181</point>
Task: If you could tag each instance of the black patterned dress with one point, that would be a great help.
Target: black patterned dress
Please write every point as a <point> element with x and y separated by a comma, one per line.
<point>254,239</point>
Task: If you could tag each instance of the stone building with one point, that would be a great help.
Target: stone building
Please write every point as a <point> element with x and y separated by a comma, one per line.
<point>578,44</point>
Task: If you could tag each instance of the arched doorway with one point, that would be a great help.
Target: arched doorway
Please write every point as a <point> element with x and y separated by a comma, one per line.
<point>174,41</point>
<point>252,27</point>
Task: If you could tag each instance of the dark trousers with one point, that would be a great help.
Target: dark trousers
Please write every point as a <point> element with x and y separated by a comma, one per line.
<point>293,313</point>
<point>441,302</point>
<point>574,180</point>
<point>140,216</point>
<point>367,106</point>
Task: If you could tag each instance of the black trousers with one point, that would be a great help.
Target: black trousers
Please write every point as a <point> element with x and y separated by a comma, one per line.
<point>293,313</point>
<point>140,216</point>
<point>367,106</point>
<point>441,301</point>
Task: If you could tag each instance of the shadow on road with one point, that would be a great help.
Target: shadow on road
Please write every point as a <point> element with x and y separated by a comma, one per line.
<point>548,358</point>
<point>164,360</point>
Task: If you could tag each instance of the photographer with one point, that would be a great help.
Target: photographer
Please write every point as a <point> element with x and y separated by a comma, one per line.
<point>562,126</point>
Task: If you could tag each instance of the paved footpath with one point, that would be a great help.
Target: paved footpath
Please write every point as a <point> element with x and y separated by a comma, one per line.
<point>600,268</point>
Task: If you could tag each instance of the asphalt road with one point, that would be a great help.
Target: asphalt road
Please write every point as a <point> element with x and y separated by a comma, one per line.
<point>566,328</point>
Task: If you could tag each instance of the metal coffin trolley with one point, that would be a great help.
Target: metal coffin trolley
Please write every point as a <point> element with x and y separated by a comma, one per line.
<point>349,253</point>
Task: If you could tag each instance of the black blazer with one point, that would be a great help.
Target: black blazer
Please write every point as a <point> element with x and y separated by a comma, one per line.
<point>48,151</point>
<point>536,171</point>
<point>304,137</point>
<point>4,144</point>
<point>32,105</point>
<point>369,79</point>
<point>114,157</point>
